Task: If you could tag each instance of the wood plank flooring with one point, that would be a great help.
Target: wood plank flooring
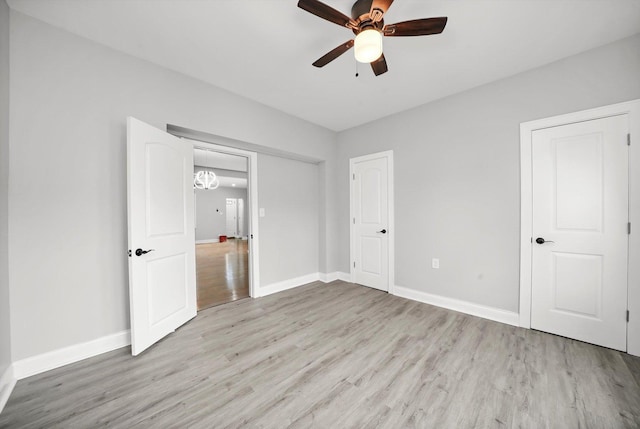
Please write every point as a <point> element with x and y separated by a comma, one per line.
<point>338,356</point>
<point>222,272</point>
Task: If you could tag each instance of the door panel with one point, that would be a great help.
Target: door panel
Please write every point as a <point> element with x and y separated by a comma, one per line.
<point>371,215</point>
<point>164,190</point>
<point>165,299</point>
<point>578,284</point>
<point>162,285</point>
<point>580,209</point>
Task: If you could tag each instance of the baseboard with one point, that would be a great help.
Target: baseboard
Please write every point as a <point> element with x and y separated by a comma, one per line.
<point>336,275</point>
<point>288,284</point>
<point>7,383</point>
<point>328,277</point>
<point>345,277</point>
<point>211,240</point>
<point>491,313</point>
<point>24,368</point>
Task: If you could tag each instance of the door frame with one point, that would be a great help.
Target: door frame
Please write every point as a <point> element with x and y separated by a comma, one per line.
<point>252,202</point>
<point>632,109</point>
<point>390,213</point>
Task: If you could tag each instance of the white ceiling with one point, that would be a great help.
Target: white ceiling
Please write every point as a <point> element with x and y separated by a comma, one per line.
<point>263,49</point>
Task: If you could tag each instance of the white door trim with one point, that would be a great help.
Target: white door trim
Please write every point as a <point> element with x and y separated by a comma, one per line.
<point>631,108</point>
<point>391,229</point>
<point>252,199</point>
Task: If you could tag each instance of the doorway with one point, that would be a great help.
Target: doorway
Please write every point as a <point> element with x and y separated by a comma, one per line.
<point>222,249</point>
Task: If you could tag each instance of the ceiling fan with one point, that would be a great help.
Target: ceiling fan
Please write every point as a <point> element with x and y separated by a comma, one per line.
<point>367,24</point>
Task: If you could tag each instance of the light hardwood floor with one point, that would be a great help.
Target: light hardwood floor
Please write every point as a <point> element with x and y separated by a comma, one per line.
<point>338,356</point>
<point>222,272</point>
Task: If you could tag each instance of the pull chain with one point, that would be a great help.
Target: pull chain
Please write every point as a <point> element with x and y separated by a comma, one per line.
<point>357,74</point>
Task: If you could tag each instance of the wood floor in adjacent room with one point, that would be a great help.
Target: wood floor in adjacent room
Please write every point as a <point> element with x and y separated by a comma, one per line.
<point>222,272</point>
<point>338,356</point>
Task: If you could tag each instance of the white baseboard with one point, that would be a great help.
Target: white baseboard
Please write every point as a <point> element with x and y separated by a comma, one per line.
<point>24,368</point>
<point>328,277</point>
<point>7,383</point>
<point>345,277</point>
<point>303,280</point>
<point>288,284</point>
<point>211,240</point>
<point>336,275</point>
<point>491,313</point>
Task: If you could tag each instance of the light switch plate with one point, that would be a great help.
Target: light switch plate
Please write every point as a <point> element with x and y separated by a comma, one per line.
<point>435,263</point>
<point>261,212</point>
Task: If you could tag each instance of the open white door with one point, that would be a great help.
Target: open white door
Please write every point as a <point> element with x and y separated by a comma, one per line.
<point>162,278</point>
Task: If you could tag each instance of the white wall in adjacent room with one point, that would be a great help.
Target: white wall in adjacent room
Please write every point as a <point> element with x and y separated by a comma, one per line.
<point>211,212</point>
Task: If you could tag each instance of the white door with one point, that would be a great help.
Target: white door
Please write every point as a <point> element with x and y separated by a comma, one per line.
<point>162,281</point>
<point>370,220</point>
<point>580,237</point>
<point>241,231</point>
<point>232,217</point>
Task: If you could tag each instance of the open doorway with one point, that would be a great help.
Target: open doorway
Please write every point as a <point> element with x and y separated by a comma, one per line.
<point>222,245</point>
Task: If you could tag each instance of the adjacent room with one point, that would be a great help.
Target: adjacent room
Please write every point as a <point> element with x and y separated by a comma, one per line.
<point>319,213</point>
<point>221,223</point>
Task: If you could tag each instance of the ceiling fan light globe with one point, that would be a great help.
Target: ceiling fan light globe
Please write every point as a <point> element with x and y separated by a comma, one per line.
<point>368,46</point>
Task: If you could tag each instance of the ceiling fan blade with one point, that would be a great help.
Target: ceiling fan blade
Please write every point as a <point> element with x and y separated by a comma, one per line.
<point>379,66</point>
<point>324,11</point>
<point>383,5</point>
<point>378,9</point>
<point>416,27</point>
<point>333,54</point>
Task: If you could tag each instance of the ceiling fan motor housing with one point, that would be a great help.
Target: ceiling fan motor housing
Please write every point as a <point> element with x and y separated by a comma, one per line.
<point>366,18</point>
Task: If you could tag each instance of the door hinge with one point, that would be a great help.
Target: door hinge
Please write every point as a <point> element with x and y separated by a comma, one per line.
<point>354,176</point>
<point>629,139</point>
<point>627,315</point>
<point>354,220</point>
<point>354,264</point>
<point>629,228</point>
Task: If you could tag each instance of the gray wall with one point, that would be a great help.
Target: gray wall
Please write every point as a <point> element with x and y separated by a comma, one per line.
<point>457,176</point>
<point>289,192</point>
<point>70,100</point>
<point>5,331</point>
<point>211,224</point>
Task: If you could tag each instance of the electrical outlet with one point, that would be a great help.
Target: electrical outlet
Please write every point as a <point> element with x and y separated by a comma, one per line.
<point>261,212</point>
<point>435,263</point>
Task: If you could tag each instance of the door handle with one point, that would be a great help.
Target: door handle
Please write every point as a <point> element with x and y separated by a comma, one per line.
<point>541,240</point>
<point>384,231</point>
<point>140,252</point>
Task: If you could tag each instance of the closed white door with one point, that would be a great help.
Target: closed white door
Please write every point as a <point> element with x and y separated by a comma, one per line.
<point>580,235</point>
<point>370,222</point>
<point>162,276</point>
<point>232,217</point>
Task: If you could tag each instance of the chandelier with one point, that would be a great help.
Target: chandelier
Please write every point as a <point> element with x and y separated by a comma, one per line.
<point>205,180</point>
